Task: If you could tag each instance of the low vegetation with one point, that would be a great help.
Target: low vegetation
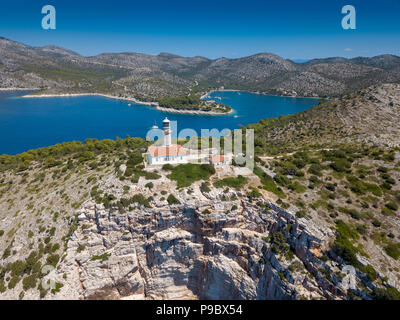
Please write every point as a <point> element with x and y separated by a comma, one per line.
<point>186,174</point>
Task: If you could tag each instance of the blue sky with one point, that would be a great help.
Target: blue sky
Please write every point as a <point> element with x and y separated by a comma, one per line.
<point>301,29</point>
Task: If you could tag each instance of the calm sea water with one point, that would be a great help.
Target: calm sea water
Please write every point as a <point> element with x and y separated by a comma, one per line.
<point>38,122</point>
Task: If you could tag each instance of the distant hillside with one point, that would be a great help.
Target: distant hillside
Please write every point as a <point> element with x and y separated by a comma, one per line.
<point>368,116</point>
<point>57,70</point>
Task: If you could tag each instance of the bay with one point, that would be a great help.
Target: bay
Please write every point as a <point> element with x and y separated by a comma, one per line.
<point>29,123</point>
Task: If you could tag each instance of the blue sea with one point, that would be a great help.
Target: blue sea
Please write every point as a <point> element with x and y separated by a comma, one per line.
<point>29,123</point>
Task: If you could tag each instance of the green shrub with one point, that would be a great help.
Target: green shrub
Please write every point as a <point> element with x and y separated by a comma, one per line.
<point>316,169</point>
<point>150,175</point>
<point>383,169</point>
<point>205,187</point>
<point>392,206</point>
<point>29,282</point>
<point>279,244</point>
<point>254,193</point>
<point>362,229</point>
<point>282,180</point>
<point>232,182</point>
<point>103,257</point>
<point>301,214</point>
<point>141,199</point>
<point>53,259</point>
<point>134,160</point>
<point>6,253</point>
<point>343,245</point>
<point>13,282</point>
<point>376,223</point>
<point>386,294</point>
<point>386,212</point>
<point>330,187</point>
<point>326,273</point>
<point>57,288</point>
<point>298,187</point>
<point>186,174</point>
<point>352,212</point>
<point>370,272</point>
<point>393,250</point>
<point>55,247</point>
<point>172,200</point>
<point>296,266</point>
<point>359,187</point>
<point>149,185</point>
<point>80,248</point>
<point>167,167</point>
<point>268,183</point>
<point>314,179</point>
<point>340,165</point>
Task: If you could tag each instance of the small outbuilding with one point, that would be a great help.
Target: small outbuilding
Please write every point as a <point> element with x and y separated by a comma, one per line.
<point>218,160</point>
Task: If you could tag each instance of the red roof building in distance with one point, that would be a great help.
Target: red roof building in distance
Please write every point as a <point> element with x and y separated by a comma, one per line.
<point>218,160</point>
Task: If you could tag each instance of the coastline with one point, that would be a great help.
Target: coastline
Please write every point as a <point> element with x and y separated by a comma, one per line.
<point>68,95</point>
<point>198,112</point>
<point>256,92</point>
<point>131,99</point>
<point>18,89</point>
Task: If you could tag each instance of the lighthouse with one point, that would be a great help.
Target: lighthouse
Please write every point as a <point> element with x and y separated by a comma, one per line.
<point>167,132</point>
<point>167,152</point>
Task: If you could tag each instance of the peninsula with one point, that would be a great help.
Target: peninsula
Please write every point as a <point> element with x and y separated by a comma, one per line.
<point>188,105</point>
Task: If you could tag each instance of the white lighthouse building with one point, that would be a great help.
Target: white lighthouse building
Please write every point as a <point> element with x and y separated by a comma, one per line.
<point>167,152</point>
<point>167,132</point>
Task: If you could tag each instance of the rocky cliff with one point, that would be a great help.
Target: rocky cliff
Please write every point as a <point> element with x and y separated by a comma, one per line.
<point>179,253</point>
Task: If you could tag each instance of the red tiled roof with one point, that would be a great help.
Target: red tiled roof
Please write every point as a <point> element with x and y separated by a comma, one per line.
<point>218,158</point>
<point>172,150</point>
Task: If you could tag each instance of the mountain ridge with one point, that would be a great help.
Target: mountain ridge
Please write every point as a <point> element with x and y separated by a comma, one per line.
<point>129,74</point>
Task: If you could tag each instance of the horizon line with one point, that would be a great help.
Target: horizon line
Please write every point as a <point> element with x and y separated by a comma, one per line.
<point>304,60</point>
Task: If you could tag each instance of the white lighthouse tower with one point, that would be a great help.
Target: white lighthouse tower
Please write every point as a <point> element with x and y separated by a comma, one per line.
<point>167,152</point>
<point>167,132</point>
